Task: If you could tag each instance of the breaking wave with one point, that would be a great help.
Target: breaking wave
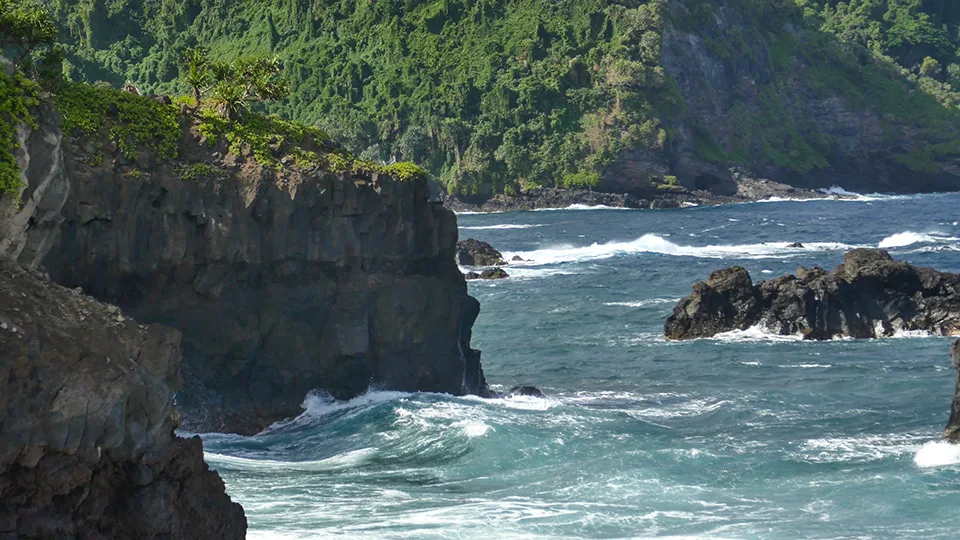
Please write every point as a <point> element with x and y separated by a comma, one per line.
<point>909,238</point>
<point>651,243</point>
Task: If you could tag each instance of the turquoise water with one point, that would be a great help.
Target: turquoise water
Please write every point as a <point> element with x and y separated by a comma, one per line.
<point>742,436</point>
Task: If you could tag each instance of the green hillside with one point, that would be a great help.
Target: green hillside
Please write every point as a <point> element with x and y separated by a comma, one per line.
<point>498,95</point>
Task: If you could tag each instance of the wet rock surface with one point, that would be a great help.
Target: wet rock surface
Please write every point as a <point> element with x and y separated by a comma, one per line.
<point>472,252</point>
<point>952,432</point>
<point>87,448</point>
<point>868,296</point>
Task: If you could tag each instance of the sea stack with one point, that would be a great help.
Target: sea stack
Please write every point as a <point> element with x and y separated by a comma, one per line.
<point>868,296</point>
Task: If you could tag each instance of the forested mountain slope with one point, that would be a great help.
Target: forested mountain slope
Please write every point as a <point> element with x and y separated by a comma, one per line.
<point>622,95</point>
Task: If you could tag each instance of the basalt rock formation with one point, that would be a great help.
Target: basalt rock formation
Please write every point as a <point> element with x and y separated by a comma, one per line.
<point>87,448</point>
<point>868,296</point>
<point>472,252</point>
<point>952,432</point>
<point>282,280</point>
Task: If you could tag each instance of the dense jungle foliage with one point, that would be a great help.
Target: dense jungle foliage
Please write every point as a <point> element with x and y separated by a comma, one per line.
<point>498,95</point>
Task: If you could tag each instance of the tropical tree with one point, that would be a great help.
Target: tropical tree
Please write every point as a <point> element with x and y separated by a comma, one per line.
<point>247,80</point>
<point>196,71</point>
<point>26,25</point>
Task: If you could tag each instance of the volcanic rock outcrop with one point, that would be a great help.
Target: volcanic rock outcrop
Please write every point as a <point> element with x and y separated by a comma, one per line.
<point>472,252</point>
<point>952,433</point>
<point>282,281</point>
<point>87,448</point>
<point>868,296</point>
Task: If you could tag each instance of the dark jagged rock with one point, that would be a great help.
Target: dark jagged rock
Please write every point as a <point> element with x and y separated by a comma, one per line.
<point>952,432</point>
<point>797,245</point>
<point>869,295</point>
<point>87,448</point>
<point>531,391</point>
<point>494,273</point>
<point>516,258</point>
<point>490,273</point>
<point>281,281</point>
<point>472,252</point>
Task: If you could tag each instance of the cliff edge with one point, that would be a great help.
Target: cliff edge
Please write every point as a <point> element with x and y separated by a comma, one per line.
<point>87,448</point>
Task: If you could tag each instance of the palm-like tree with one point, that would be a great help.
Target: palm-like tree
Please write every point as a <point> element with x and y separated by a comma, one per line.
<point>197,73</point>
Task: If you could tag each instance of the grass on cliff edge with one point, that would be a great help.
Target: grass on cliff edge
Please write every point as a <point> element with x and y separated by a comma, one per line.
<point>17,96</point>
<point>135,123</point>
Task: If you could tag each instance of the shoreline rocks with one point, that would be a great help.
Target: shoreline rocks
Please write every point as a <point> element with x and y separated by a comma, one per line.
<point>472,252</point>
<point>87,444</point>
<point>742,189</point>
<point>868,296</point>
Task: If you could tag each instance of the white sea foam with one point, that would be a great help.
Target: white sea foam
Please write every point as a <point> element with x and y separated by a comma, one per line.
<point>473,428</point>
<point>861,448</point>
<point>937,454</point>
<point>908,238</point>
<point>644,303</point>
<point>652,243</point>
<point>346,460</point>
<point>584,207</point>
<point>317,404</point>
<point>838,190</point>
<point>754,334</point>
<point>503,226</point>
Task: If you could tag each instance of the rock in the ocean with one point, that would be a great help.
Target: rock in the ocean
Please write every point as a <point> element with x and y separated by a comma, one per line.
<point>869,295</point>
<point>472,252</point>
<point>470,276</point>
<point>87,448</point>
<point>531,391</point>
<point>517,258</point>
<point>952,433</point>
<point>494,273</point>
<point>797,245</point>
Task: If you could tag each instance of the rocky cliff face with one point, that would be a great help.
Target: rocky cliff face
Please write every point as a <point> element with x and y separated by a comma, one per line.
<point>87,448</point>
<point>952,432</point>
<point>282,281</point>
<point>774,99</point>
<point>29,227</point>
<point>869,295</point>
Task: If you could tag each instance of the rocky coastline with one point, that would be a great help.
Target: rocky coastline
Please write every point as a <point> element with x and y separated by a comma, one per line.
<point>87,444</point>
<point>741,189</point>
<point>282,280</point>
<point>868,296</point>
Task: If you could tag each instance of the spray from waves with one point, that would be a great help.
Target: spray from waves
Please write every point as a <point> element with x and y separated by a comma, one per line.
<point>651,243</point>
<point>319,404</point>
<point>503,226</point>
<point>644,303</point>
<point>584,207</point>
<point>909,238</point>
<point>754,334</point>
<point>937,454</point>
<point>838,190</point>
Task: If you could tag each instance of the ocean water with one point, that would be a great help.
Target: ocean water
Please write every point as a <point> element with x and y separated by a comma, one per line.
<point>741,436</point>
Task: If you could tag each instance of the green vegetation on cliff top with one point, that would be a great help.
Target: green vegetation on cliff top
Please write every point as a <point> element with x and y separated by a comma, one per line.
<point>499,95</point>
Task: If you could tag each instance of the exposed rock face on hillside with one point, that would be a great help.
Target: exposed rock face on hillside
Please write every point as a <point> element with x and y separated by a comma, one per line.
<point>768,86</point>
<point>869,295</point>
<point>87,448</point>
<point>952,433</point>
<point>29,229</point>
<point>282,282</point>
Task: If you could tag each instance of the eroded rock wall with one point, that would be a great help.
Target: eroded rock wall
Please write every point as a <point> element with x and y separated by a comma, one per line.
<point>87,448</point>
<point>282,281</point>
